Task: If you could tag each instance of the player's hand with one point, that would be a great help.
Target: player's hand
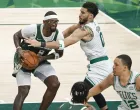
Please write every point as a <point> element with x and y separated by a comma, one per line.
<point>33,42</point>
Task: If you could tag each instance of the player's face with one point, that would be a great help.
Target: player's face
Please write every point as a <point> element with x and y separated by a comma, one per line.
<point>83,17</point>
<point>52,24</point>
<point>118,67</point>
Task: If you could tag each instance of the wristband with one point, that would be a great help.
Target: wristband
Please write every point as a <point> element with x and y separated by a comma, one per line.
<point>61,45</point>
<point>43,44</point>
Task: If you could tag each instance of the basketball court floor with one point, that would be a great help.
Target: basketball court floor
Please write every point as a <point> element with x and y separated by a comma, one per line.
<point>72,66</point>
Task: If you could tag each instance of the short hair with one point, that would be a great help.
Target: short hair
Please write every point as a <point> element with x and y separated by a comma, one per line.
<point>91,7</point>
<point>79,92</point>
<point>126,60</point>
<point>50,13</point>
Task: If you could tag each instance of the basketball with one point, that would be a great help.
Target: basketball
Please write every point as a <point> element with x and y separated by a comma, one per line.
<point>30,60</point>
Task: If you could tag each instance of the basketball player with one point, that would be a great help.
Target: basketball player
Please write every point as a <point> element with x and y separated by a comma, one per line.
<point>46,32</point>
<point>88,32</point>
<point>126,83</point>
<point>79,92</point>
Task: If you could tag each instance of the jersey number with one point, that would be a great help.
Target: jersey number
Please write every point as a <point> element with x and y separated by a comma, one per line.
<point>102,39</point>
<point>131,104</point>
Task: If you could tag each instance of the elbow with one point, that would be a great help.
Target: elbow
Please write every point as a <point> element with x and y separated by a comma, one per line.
<point>61,54</point>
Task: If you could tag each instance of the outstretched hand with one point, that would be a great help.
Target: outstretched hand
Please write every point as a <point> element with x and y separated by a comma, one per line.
<point>33,42</point>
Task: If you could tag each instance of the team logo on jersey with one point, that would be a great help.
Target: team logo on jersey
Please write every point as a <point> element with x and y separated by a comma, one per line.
<point>98,29</point>
<point>38,39</point>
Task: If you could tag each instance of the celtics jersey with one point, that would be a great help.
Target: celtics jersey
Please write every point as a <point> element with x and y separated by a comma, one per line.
<point>72,106</point>
<point>130,96</point>
<point>94,48</point>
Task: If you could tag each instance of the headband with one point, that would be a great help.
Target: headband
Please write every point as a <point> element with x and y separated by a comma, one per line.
<point>50,17</point>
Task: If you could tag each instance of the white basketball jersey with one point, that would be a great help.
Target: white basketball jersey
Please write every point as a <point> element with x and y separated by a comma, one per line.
<point>130,96</point>
<point>94,48</point>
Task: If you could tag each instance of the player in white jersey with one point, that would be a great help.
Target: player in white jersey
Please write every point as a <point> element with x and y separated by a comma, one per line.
<point>46,32</point>
<point>126,83</point>
<point>92,43</point>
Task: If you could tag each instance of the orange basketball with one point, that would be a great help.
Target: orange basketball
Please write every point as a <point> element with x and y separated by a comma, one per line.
<point>30,60</point>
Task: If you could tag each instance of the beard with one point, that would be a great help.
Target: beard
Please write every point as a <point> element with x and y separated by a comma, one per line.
<point>83,21</point>
<point>53,29</point>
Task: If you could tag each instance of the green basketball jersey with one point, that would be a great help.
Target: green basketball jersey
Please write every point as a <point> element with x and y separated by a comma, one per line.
<point>38,50</point>
<point>130,96</point>
<point>72,106</point>
<point>38,37</point>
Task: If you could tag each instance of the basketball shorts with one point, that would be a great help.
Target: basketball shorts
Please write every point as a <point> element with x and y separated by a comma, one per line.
<point>42,72</point>
<point>99,71</point>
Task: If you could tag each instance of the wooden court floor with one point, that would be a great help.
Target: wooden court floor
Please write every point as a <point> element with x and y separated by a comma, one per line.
<point>70,68</point>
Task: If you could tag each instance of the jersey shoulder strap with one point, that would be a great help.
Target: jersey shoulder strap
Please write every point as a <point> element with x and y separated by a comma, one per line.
<point>56,34</point>
<point>39,35</point>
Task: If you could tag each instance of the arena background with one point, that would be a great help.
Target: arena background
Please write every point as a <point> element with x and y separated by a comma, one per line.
<point>126,12</point>
<point>119,21</point>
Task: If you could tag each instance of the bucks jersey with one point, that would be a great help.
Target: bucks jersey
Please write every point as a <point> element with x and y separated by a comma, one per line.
<point>95,47</point>
<point>130,96</point>
<point>72,106</point>
<point>35,31</point>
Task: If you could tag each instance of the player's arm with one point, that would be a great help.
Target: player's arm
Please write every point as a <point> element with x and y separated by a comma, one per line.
<point>52,56</point>
<point>55,55</point>
<point>17,40</point>
<point>101,86</point>
<point>26,32</point>
<point>138,83</point>
<point>77,35</point>
<point>17,37</point>
<point>70,30</point>
<point>58,53</point>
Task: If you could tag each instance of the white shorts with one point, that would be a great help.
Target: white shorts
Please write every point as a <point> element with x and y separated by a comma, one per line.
<point>42,72</point>
<point>99,71</point>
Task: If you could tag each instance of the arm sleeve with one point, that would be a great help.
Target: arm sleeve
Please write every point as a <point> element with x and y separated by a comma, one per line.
<point>29,31</point>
